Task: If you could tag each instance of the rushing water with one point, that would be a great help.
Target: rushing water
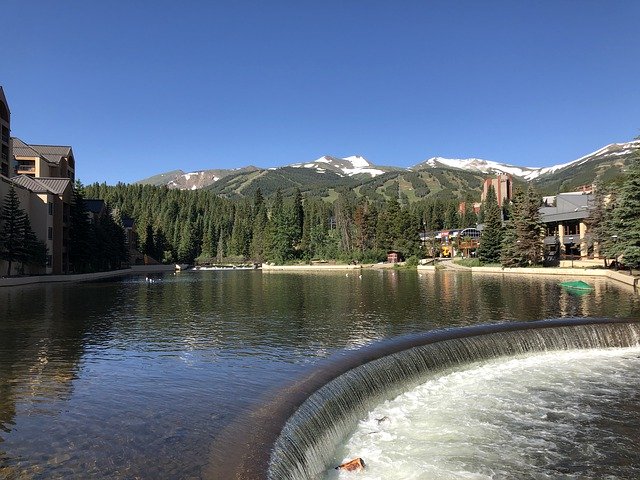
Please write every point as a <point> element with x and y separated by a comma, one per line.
<point>577,415</point>
<point>126,379</point>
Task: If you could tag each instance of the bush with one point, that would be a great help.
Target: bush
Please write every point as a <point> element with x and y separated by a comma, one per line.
<point>412,261</point>
<point>468,262</point>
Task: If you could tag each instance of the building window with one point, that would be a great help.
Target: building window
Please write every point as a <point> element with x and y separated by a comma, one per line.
<point>50,208</point>
<point>571,229</point>
<point>50,233</point>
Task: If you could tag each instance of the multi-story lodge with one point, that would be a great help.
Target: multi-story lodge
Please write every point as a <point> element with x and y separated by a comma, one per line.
<point>566,217</point>
<point>5,135</point>
<point>42,177</point>
<point>51,161</point>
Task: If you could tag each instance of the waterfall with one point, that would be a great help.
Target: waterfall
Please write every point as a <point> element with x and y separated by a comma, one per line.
<point>308,440</point>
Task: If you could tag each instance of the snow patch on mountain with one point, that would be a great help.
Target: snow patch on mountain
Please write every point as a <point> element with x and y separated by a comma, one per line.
<point>528,173</point>
<point>612,150</point>
<point>193,180</point>
<point>477,165</point>
<point>347,166</point>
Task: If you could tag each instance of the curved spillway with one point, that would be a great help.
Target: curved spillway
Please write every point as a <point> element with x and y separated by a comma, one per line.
<point>310,436</point>
<point>565,413</point>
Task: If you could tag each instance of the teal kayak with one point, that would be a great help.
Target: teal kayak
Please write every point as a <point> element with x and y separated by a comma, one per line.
<point>576,285</point>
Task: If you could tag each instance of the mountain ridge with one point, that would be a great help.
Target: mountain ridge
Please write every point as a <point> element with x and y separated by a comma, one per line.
<point>327,172</point>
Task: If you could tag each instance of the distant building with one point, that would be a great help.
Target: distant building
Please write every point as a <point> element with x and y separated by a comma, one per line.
<point>503,186</point>
<point>475,207</point>
<point>96,208</point>
<point>394,257</point>
<point>566,220</point>
<point>5,135</point>
<point>43,160</point>
<point>129,226</point>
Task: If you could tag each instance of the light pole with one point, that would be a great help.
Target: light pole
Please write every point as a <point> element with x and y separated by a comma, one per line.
<point>571,243</point>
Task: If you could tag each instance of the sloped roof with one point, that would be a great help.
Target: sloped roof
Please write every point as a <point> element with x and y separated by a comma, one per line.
<point>569,206</point>
<point>51,153</point>
<point>21,149</point>
<point>57,186</point>
<point>30,184</point>
<point>570,202</point>
<point>53,150</point>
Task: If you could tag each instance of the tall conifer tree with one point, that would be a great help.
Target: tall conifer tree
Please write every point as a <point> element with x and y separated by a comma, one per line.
<point>626,217</point>
<point>491,238</point>
<point>523,242</point>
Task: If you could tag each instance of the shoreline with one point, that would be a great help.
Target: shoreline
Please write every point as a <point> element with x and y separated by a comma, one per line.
<point>313,267</point>
<point>632,281</point>
<point>83,277</point>
<point>573,272</point>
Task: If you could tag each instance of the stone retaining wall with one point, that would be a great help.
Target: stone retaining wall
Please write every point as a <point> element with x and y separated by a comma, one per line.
<point>83,277</point>
<point>317,267</point>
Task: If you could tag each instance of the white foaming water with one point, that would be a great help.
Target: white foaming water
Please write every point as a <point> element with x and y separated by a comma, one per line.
<point>571,414</point>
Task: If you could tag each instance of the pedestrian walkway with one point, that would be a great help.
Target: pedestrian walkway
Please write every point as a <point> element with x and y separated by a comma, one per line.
<point>450,265</point>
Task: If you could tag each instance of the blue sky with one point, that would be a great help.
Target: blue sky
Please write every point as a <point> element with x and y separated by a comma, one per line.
<point>138,88</point>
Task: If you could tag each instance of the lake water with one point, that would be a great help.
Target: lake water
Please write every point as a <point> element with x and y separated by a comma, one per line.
<point>129,379</point>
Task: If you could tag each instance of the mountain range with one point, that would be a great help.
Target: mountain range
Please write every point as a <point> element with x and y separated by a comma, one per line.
<point>436,176</point>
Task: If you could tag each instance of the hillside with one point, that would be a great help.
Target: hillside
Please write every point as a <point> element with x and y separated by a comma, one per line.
<point>437,176</point>
<point>604,164</point>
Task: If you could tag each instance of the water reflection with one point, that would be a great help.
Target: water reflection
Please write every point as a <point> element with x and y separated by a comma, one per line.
<point>124,378</point>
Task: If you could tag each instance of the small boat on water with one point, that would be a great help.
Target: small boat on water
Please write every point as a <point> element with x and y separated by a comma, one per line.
<point>576,286</point>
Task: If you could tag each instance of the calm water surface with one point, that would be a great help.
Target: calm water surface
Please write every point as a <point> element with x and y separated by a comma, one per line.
<point>126,379</point>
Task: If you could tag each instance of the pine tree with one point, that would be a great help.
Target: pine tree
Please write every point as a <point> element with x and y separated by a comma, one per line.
<point>342,210</point>
<point>34,251</point>
<point>149,247</point>
<point>600,219</point>
<point>81,233</point>
<point>298,217</point>
<point>451,217</point>
<point>468,217</point>
<point>626,217</point>
<point>490,245</point>
<point>523,242</point>
<point>12,226</point>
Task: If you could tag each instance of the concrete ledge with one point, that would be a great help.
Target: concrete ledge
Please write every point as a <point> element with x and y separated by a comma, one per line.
<point>317,268</point>
<point>571,272</point>
<point>426,268</point>
<point>83,277</point>
<point>153,268</point>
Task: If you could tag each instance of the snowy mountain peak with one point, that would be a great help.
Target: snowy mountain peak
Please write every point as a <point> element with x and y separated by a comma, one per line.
<point>476,165</point>
<point>611,151</point>
<point>347,166</point>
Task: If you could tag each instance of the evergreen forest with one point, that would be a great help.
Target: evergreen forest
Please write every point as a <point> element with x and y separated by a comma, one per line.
<point>199,226</point>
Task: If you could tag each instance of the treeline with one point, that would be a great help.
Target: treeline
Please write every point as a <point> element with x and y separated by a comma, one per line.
<point>96,244</point>
<point>189,226</point>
